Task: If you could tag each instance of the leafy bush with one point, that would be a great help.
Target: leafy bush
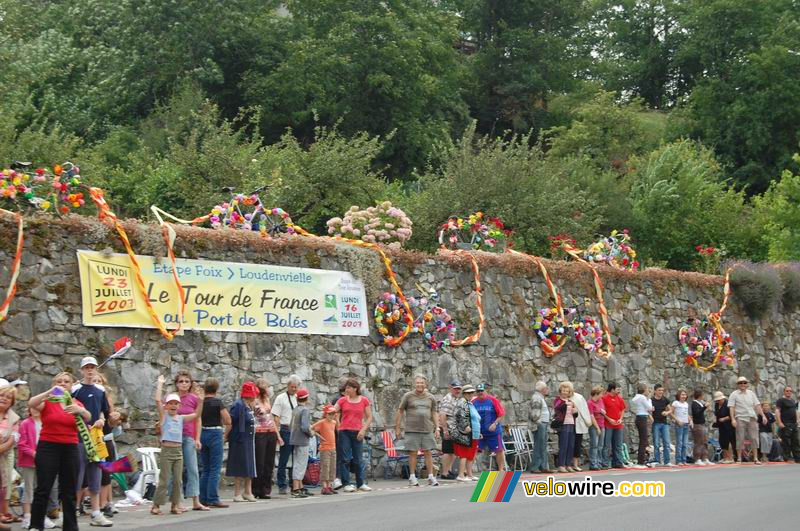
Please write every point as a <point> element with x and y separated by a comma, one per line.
<point>790,276</point>
<point>757,286</point>
<point>778,214</point>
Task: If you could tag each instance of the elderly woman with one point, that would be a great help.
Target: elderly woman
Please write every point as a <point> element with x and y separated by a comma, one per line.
<point>565,413</point>
<point>190,403</point>
<point>466,434</point>
<point>241,448</point>
<point>9,425</point>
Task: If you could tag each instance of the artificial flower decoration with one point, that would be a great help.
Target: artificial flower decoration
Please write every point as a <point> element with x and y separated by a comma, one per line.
<point>705,344</point>
<point>382,223</point>
<point>587,332</point>
<point>58,190</point>
<point>433,322</point>
<point>247,212</point>
<point>477,231</point>
<point>547,327</point>
<point>614,250</point>
<point>390,318</point>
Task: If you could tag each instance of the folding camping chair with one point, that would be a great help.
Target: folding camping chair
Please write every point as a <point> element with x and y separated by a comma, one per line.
<point>393,457</point>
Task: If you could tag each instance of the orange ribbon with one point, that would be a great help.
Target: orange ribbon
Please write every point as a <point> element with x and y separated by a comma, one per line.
<point>478,302</point>
<point>575,253</point>
<point>14,270</point>
<point>715,318</point>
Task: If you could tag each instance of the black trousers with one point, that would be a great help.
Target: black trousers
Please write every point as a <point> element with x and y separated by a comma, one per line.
<point>55,459</point>
<point>790,442</point>
<point>266,444</point>
<point>644,438</point>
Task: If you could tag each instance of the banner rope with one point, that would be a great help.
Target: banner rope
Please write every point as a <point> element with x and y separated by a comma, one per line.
<point>715,318</point>
<point>14,269</point>
<point>476,272</point>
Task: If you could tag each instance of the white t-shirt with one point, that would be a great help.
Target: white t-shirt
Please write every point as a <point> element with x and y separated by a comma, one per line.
<point>283,408</point>
<point>641,405</point>
<point>681,411</point>
<point>745,404</point>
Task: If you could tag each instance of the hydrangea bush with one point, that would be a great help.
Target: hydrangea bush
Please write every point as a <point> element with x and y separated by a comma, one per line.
<point>382,223</point>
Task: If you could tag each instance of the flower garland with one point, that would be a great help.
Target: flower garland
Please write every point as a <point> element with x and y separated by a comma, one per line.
<point>390,315</point>
<point>476,232</point>
<point>433,322</point>
<point>267,221</point>
<point>42,189</point>
<point>699,339</point>
<point>547,328</point>
<point>14,269</point>
<point>613,250</point>
<point>587,332</point>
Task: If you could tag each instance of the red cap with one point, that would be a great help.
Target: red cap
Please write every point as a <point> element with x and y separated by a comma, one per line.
<point>329,409</point>
<point>249,390</point>
<point>302,393</point>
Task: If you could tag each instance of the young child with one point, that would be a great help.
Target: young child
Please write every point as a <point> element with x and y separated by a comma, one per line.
<point>29,431</point>
<point>300,435</point>
<point>171,457</point>
<point>326,428</point>
<point>766,431</point>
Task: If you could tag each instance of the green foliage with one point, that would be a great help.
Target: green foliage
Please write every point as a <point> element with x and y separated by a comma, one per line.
<point>757,287</point>
<point>778,215</point>
<point>790,277</point>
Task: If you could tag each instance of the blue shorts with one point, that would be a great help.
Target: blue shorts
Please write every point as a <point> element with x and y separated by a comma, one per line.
<point>492,442</point>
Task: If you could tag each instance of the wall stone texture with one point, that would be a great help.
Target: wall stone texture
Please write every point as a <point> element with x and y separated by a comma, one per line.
<point>44,333</point>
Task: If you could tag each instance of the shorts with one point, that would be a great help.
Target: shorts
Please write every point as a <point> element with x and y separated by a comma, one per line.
<point>105,477</point>
<point>413,442</point>
<point>492,442</point>
<point>747,430</point>
<point>29,482</point>
<point>447,446</point>
<point>90,471</point>
<point>299,462</point>
<point>327,460</point>
<point>466,452</point>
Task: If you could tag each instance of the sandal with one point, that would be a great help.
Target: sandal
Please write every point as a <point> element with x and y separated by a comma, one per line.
<point>9,518</point>
<point>156,511</point>
<point>201,508</point>
<point>178,510</point>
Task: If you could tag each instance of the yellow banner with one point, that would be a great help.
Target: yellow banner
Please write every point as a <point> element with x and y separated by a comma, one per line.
<point>222,296</point>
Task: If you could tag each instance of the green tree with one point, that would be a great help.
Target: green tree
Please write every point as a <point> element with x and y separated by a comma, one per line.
<point>778,215</point>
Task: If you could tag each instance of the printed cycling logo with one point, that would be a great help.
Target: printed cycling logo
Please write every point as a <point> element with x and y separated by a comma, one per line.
<point>330,301</point>
<point>331,321</point>
<point>495,486</point>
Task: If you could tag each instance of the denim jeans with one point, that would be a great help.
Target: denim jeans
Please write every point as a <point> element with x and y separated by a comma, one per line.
<point>595,447</point>
<point>681,441</point>
<point>612,447</point>
<point>285,454</point>
<point>661,438</point>
<point>210,465</point>
<point>351,448</point>
<point>540,460</point>
<point>566,445</point>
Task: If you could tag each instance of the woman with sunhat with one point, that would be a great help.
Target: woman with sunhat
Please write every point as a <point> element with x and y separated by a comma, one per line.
<point>467,432</point>
<point>727,433</point>
<point>241,444</point>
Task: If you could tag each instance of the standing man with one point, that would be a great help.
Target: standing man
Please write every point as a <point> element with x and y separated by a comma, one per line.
<point>282,412</point>
<point>539,423</point>
<point>745,412</point>
<point>447,421</point>
<point>492,413</point>
<point>661,414</point>
<point>421,427</point>
<point>93,398</point>
<point>787,425</point>
<point>612,444</point>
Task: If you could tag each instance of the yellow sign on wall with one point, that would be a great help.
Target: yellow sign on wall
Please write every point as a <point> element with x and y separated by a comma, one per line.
<point>223,296</point>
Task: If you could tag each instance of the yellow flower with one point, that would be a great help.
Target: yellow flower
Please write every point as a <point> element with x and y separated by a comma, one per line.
<point>45,204</point>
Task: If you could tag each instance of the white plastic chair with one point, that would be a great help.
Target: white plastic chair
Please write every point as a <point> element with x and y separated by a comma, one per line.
<point>150,471</point>
<point>523,446</point>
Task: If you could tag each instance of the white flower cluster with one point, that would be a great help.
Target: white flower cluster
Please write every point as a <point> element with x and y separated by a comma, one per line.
<point>382,223</point>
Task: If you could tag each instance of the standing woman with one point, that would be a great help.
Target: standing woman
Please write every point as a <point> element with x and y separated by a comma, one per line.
<point>267,440</point>
<point>355,417</point>
<point>9,427</point>
<point>683,422</point>
<point>466,434</point>
<point>699,429</point>
<point>190,403</point>
<point>57,451</point>
<point>565,413</point>
<point>241,444</point>
<point>727,433</point>
<point>216,423</point>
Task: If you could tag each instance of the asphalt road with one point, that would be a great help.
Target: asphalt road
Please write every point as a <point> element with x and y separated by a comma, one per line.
<point>721,497</point>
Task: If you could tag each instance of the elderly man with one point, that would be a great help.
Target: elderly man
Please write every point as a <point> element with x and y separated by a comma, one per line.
<point>787,418</point>
<point>421,427</point>
<point>447,423</point>
<point>282,411</point>
<point>745,412</point>
<point>539,423</point>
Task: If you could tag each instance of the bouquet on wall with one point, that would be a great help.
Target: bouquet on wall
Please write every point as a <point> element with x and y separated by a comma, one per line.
<point>478,232</point>
<point>382,223</point>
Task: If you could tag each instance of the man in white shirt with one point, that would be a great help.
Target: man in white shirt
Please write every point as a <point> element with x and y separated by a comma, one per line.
<point>642,407</point>
<point>745,412</point>
<point>282,411</point>
<point>447,422</point>
<point>539,423</point>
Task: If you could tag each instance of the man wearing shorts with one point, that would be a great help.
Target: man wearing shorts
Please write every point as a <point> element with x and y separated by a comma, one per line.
<point>421,426</point>
<point>745,413</point>
<point>491,412</point>
<point>447,421</point>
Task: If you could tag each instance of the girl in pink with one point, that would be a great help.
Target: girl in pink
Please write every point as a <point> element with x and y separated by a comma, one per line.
<point>29,430</point>
<point>598,410</point>
<point>355,417</point>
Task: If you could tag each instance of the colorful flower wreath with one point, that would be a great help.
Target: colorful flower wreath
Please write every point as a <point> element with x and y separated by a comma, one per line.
<point>235,215</point>
<point>433,322</point>
<point>390,317</point>
<point>476,232</point>
<point>42,189</point>
<point>548,329</point>
<point>587,332</point>
<point>613,250</point>
<point>701,339</point>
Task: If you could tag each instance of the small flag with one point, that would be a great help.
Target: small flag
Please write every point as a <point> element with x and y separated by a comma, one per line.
<point>120,465</point>
<point>495,486</point>
<point>121,346</point>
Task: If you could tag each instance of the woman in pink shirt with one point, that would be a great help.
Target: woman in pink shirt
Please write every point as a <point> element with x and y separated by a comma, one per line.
<point>565,412</point>
<point>190,403</point>
<point>355,417</point>
<point>598,410</point>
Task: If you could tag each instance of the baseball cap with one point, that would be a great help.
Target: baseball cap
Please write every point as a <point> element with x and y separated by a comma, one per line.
<point>329,409</point>
<point>4,382</point>
<point>89,360</point>
<point>302,393</point>
<point>480,387</point>
<point>172,397</point>
<point>455,383</point>
<point>249,390</point>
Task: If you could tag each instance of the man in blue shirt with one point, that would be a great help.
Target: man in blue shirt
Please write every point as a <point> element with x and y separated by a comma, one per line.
<point>491,412</point>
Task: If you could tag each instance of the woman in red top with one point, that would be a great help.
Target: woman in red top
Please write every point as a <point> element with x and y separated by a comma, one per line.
<point>355,417</point>
<point>57,452</point>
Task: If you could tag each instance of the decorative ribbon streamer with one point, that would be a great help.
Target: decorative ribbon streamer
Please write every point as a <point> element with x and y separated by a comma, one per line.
<point>478,302</point>
<point>14,270</point>
<point>408,317</point>
<point>548,350</point>
<point>83,431</point>
<point>104,212</point>
<point>575,253</point>
<point>715,318</point>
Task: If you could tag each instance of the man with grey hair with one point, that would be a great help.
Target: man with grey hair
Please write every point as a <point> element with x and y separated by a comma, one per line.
<point>421,427</point>
<point>447,421</point>
<point>282,411</point>
<point>539,424</point>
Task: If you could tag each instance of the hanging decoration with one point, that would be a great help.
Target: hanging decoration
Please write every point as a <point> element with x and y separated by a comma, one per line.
<point>14,269</point>
<point>585,329</point>
<point>390,318</point>
<point>700,339</point>
<point>476,273</point>
<point>476,232</point>
<point>247,212</point>
<point>433,321</point>
<point>614,250</point>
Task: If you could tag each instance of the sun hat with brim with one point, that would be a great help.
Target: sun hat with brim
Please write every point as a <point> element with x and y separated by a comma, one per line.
<point>468,389</point>
<point>718,395</point>
<point>249,390</point>
<point>172,397</point>
<point>742,379</point>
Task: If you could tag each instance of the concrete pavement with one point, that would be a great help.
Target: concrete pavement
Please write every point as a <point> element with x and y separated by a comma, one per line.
<point>720,497</point>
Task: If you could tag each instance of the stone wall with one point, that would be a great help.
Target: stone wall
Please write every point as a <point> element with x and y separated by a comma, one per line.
<point>44,334</point>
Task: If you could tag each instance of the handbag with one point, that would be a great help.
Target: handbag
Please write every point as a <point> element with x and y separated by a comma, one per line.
<point>557,423</point>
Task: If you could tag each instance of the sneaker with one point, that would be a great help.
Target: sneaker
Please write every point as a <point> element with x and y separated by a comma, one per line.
<point>26,521</point>
<point>306,492</point>
<point>299,494</point>
<point>474,478</point>
<point>671,465</point>
<point>562,469</point>
<point>638,466</point>
<point>463,480</point>
<point>700,462</point>
<point>432,481</point>
<point>100,521</point>
<point>284,490</point>
<point>577,469</point>
<point>108,511</point>
<point>365,488</point>
<point>349,488</point>
<point>238,499</point>
<point>327,492</point>
<point>413,481</point>
<point>337,484</point>
<point>49,524</point>
<point>58,521</point>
